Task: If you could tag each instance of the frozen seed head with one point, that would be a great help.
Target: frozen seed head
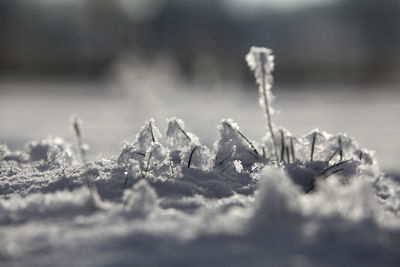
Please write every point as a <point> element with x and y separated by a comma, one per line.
<point>261,62</point>
<point>254,55</point>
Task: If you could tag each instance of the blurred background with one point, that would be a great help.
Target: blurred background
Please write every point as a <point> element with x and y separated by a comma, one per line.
<point>118,63</point>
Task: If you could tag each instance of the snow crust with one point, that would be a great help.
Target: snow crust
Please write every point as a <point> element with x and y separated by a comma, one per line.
<point>171,201</point>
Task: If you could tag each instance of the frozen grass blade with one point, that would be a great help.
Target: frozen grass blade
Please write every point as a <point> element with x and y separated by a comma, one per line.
<point>282,145</point>
<point>140,154</point>
<point>338,150</point>
<point>313,146</point>
<point>333,155</point>
<point>334,166</point>
<point>292,149</point>
<point>151,132</point>
<point>191,155</point>
<point>184,132</point>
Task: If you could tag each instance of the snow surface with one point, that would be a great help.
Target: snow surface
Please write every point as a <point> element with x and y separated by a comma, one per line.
<point>171,201</point>
<point>316,200</point>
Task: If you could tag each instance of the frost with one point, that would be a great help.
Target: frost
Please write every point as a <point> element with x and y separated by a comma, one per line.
<point>234,145</point>
<point>53,150</point>
<point>198,157</point>
<point>177,137</point>
<point>146,153</point>
<point>148,135</point>
<point>261,62</point>
<point>226,196</point>
<point>238,166</point>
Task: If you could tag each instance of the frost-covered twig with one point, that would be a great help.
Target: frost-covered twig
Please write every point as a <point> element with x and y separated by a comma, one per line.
<point>261,62</point>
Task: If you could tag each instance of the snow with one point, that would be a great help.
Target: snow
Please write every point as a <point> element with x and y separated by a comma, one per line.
<point>170,200</point>
<point>250,211</point>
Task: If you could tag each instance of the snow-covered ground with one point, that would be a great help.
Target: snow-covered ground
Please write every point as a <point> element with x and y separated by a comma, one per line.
<point>114,111</point>
<point>170,198</point>
<point>170,201</point>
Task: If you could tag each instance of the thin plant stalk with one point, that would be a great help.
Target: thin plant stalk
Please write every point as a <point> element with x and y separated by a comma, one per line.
<point>266,103</point>
<point>82,153</point>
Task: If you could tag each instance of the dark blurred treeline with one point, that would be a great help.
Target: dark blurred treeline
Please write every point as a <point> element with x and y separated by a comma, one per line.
<point>353,40</point>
